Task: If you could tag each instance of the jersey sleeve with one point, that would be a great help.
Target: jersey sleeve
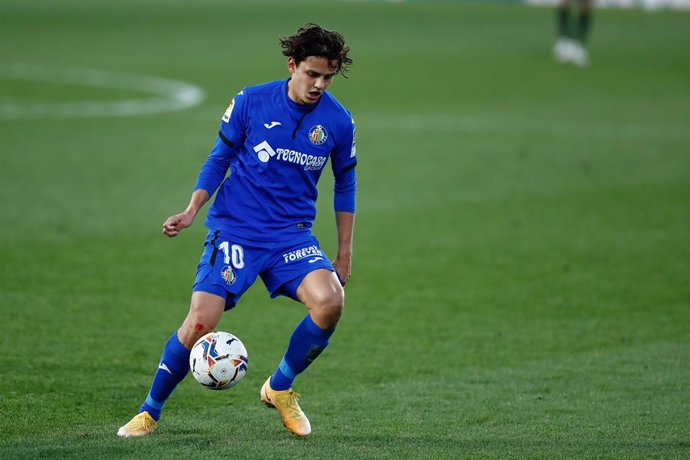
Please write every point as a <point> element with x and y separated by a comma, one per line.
<point>215,167</point>
<point>230,137</point>
<point>344,161</point>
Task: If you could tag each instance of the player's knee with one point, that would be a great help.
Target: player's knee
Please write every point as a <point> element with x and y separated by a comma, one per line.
<point>197,324</point>
<point>202,327</point>
<point>328,305</point>
<point>193,329</point>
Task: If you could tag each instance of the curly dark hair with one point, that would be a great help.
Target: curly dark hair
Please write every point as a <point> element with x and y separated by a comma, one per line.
<point>314,40</point>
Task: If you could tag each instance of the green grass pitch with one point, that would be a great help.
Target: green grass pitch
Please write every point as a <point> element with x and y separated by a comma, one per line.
<point>521,279</point>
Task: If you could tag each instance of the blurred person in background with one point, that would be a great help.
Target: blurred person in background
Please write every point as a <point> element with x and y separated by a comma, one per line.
<point>570,46</point>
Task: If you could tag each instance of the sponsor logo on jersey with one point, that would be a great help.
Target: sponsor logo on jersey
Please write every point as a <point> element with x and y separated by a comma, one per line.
<point>272,124</point>
<point>228,275</point>
<point>298,254</point>
<point>265,152</point>
<point>318,135</point>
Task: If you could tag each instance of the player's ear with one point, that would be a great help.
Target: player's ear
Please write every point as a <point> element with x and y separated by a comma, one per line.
<point>291,64</point>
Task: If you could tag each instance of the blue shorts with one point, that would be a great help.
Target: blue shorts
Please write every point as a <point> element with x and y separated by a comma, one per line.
<point>229,267</point>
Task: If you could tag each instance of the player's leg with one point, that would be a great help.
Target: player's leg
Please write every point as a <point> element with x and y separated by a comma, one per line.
<point>320,291</point>
<point>562,48</point>
<point>217,287</point>
<point>584,19</point>
<point>563,18</point>
<point>205,311</point>
<point>584,22</point>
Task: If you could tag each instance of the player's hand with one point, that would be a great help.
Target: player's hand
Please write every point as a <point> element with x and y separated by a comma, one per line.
<point>342,266</point>
<point>174,224</point>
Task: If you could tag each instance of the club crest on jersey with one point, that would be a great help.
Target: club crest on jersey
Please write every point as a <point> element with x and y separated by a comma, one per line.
<point>228,275</point>
<point>318,135</point>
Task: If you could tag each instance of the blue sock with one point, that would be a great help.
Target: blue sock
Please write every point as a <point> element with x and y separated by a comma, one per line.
<point>306,344</point>
<point>173,367</point>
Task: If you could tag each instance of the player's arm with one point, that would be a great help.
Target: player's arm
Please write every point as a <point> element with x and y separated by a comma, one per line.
<point>210,177</point>
<point>174,224</point>
<point>231,134</point>
<point>344,202</point>
<point>345,222</point>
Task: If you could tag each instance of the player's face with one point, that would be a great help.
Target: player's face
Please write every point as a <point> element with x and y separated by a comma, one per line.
<point>309,79</point>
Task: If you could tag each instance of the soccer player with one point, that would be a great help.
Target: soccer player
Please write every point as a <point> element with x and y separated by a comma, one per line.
<point>275,138</point>
<point>570,45</point>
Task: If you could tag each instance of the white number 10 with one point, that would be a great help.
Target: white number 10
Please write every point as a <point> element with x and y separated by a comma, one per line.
<point>235,251</point>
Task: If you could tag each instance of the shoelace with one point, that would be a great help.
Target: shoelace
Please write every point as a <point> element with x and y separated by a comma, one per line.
<point>289,399</point>
<point>148,423</point>
<point>143,422</point>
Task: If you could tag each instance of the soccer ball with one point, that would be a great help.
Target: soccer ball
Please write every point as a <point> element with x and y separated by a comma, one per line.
<point>218,360</point>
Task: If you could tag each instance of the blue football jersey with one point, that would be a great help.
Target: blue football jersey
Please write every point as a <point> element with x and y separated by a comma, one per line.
<point>276,151</point>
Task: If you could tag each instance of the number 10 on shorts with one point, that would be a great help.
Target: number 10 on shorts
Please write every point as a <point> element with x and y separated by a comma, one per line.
<point>233,253</point>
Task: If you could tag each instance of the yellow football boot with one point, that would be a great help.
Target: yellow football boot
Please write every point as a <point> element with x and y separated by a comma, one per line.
<point>286,403</point>
<point>142,424</point>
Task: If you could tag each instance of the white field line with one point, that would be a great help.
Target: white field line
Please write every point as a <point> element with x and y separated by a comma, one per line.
<point>171,94</point>
<point>457,123</point>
